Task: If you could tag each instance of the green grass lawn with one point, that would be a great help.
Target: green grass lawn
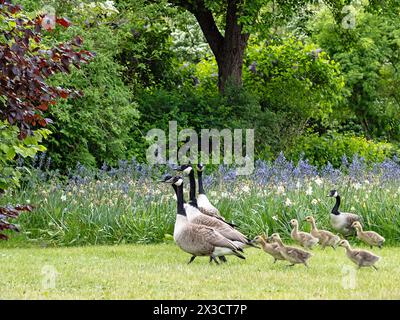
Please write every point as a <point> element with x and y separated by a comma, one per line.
<point>160,272</point>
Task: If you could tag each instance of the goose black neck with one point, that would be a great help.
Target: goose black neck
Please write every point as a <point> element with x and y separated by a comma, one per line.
<point>200,178</point>
<point>179,200</point>
<point>192,192</point>
<point>335,209</point>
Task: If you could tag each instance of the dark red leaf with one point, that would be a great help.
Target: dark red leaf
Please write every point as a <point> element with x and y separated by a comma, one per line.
<point>63,22</point>
<point>44,106</point>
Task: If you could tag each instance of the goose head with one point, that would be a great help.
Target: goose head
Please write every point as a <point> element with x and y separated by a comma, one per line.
<point>309,219</point>
<point>344,244</point>
<point>200,167</point>
<point>260,239</point>
<point>275,237</point>
<point>177,180</point>
<point>294,223</point>
<point>333,194</point>
<point>185,168</point>
<point>357,225</point>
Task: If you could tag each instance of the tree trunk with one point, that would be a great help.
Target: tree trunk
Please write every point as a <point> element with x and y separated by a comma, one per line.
<point>230,61</point>
<point>228,49</point>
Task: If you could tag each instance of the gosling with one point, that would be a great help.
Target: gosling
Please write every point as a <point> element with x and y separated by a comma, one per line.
<point>362,258</point>
<point>326,238</point>
<point>291,254</point>
<point>271,248</point>
<point>305,239</point>
<point>369,237</point>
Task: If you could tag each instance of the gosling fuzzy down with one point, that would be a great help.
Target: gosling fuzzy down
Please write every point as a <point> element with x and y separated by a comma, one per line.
<point>326,238</point>
<point>371,238</point>
<point>269,247</point>
<point>291,254</point>
<point>306,240</point>
<point>362,258</point>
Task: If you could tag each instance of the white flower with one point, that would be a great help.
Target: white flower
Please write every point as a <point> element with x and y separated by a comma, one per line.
<point>314,201</point>
<point>357,186</point>
<point>280,190</point>
<point>63,198</point>
<point>309,191</point>
<point>275,218</point>
<point>288,202</point>
<point>246,189</point>
<point>318,181</point>
<point>213,194</point>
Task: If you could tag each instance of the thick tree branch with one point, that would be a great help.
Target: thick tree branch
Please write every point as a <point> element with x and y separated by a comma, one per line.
<point>207,24</point>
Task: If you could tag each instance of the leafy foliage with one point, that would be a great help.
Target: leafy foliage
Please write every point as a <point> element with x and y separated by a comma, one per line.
<point>370,64</point>
<point>10,212</point>
<point>95,128</point>
<point>26,64</point>
<point>12,147</point>
<point>330,148</point>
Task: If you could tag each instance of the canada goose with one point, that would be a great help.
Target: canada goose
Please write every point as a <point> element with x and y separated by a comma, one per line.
<point>270,248</point>
<point>305,239</point>
<point>362,258</point>
<point>291,254</point>
<point>194,215</point>
<point>196,239</point>
<point>369,237</point>
<point>326,238</point>
<point>203,203</point>
<point>342,221</point>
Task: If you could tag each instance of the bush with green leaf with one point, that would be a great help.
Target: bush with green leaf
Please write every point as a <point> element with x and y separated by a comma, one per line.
<point>12,147</point>
<point>331,147</point>
<point>296,84</point>
<point>95,128</point>
<point>370,63</point>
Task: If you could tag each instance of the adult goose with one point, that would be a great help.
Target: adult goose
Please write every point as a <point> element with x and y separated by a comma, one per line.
<point>198,240</point>
<point>194,215</point>
<point>342,221</point>
<point>203,203</point>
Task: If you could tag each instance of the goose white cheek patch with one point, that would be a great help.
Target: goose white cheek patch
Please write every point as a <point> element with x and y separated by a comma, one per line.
<point>187,170</point>
<point>178,182</point>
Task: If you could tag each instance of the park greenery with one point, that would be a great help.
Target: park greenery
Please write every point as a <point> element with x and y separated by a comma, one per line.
<point>82,82</point>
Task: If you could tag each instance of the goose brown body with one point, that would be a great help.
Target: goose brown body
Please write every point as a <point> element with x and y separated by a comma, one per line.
<point>217,224</point>
<point>200,240</point>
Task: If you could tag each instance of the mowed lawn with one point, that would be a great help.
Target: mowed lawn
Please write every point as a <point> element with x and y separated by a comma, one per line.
<point>160,272</point>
